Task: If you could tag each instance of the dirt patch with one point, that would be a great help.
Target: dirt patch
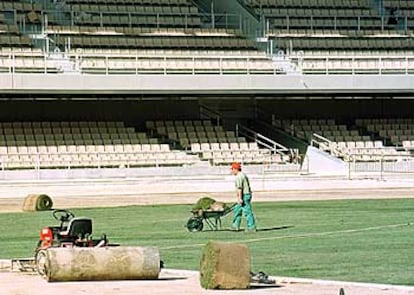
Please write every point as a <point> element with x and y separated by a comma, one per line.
<point>103,199</point>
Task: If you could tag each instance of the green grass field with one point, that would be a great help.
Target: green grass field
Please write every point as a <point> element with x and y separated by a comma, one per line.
<point>349,240</point>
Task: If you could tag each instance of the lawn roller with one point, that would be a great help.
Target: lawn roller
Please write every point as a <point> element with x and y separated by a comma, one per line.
<point>72,232</point>
<point>210,216</point>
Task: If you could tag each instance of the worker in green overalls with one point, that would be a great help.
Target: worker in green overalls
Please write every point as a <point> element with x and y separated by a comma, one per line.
<point>244,197</point>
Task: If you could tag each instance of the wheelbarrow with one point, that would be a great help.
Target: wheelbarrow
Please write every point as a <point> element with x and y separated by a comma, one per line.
<point>211,218</point>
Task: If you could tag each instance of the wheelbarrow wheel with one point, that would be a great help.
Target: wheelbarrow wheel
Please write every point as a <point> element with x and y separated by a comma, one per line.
<point>194,224</point>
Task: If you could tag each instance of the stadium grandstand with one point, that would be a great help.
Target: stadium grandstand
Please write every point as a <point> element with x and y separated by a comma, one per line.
<point>278,85</point>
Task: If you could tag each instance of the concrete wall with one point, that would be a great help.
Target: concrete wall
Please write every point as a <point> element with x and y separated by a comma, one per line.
<point>206,84</point>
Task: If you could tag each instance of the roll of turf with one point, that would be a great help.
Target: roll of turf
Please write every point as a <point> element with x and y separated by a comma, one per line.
<point>98,264</point>
<point>43,202</point>
<point>203,203</point>
<point>225,266</point>
<point>37,202</point>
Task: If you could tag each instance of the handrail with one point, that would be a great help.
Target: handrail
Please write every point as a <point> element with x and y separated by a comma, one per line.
<point>325,144</point>
<point>261,139</point>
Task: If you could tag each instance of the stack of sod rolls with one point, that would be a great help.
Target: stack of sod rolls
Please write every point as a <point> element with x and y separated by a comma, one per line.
<point>37,202</point>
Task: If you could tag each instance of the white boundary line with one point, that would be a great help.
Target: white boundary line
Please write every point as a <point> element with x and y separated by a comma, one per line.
<point>299,236</point>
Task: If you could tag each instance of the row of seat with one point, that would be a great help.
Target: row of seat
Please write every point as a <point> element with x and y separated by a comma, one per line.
<point>398,4</point>
<point>227,157</point>
<point>317,123</point>
<point>85,132</point>
<point>128,20</point>
<point>27,125</point>
<point>329,43</point>
<point>28,65</point>
<point>359,31</point>
<point>225,146</point>
<point>337,22</point>
<point>82,148</point>
<point>319,12</point>
<point>154,42</point>
<point>382,121</point>
<point>390,127</point>
<point>9,29</point>
<point>15,40</point>
<point>141,30</point>
<point>20,51</point>
<point>67,140</point>
<point>351,65</point>
<point>97,159</point>
<point>335,128</point>
<point>132,9</point>
<point>183,64</point>
<point>362,151</point>
<point>408,144</point>
<point>19,6</point>
<point>308,4</point>
<point>179,123</point>
<point>81,131</point>
<point>132,2</point>
<point>397,140</point>
<point>307,136</point>
<point>179,53</point>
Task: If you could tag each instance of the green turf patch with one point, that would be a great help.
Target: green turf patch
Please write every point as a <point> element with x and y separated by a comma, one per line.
<point>350,240</point>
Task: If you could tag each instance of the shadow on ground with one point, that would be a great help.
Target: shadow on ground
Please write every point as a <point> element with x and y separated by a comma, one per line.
<point>264,286</point>
<point>275,228</point>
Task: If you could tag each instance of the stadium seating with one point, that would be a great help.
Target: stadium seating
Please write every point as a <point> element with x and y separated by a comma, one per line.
<point>152,37</point>
<point>82,144</point>
<point>341,37</point>
<point>384,139</point>
<point>213,143</point>
<point>128,37</point>
<point>395,131</point>
<point>26,60</point>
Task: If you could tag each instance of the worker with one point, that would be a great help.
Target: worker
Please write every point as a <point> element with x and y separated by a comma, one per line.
<point>244,197</point>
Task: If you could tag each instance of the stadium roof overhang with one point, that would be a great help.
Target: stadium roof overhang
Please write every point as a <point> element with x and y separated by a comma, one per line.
<point>54,86</point>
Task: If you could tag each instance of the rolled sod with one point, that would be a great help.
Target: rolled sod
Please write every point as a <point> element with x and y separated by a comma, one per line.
<point>98,264</point>
<point>37,202</point>
<point>204,203</point>
<point>225,266</point>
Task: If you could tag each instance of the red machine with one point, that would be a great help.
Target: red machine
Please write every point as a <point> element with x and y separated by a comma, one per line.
<point>72,232</point>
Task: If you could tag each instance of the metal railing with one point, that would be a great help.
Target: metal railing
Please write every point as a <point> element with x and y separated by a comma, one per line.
<point>346,64</point>
<point>378,163</point>
<point>107,64</point>
<point>356,23</point>
<point>381,165</point>
<point>263,141</point>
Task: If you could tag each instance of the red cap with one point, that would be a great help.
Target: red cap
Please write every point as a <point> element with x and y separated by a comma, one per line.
<point>236,165</point>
